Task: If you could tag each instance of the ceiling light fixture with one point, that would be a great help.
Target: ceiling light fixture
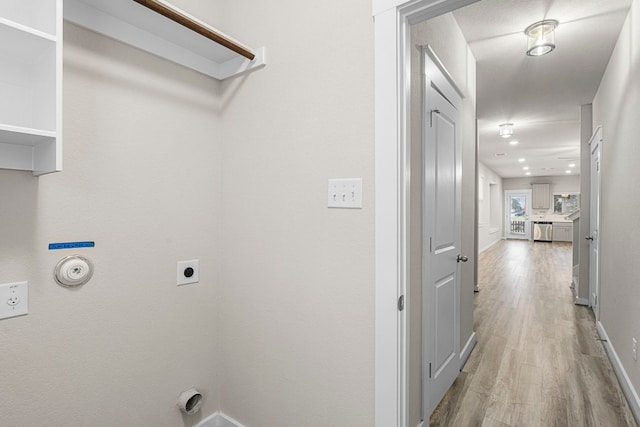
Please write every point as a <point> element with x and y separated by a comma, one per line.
<point>522,160</point>
<point>541,38</point>
<point>526,168</point>
<point>506,130</point>
<point>528,173</point>
<point>572,165</point>
<point>514,142</point>
<point>568,171</point>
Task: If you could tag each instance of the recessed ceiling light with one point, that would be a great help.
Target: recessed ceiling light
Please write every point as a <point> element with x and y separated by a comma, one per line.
<point>526,168</point>
<point>513,142</point>
<point>572,165</point>
<point>528,173</point>
<point>568,171</point>
<point>522,159</point>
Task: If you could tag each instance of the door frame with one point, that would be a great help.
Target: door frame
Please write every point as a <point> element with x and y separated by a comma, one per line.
<point>392,21</point>
<point>595,195</point>
<point>507,210</point>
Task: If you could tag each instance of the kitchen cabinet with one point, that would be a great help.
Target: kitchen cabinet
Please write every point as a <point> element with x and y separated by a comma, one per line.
<point>541,196</point>
<point>562,232</point>
<point>31,85</point>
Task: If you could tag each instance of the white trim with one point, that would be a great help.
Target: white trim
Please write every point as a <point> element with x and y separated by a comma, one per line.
<point>468,348</point>
<point>219,419</point>
<point>594,279</point>
<point>581,301</point>
<point>627,387</point>
<point>392,55</point>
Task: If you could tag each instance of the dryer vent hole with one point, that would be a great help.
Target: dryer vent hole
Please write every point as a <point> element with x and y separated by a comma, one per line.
<point>193,402</point>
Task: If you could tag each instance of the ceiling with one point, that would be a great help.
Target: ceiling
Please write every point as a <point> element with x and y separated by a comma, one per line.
<point>540,95</point>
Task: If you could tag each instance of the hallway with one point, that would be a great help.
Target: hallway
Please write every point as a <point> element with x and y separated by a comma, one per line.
<point>538,361</point>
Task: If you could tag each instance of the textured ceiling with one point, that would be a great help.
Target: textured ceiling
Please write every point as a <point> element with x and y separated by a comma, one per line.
<point>540,95</point>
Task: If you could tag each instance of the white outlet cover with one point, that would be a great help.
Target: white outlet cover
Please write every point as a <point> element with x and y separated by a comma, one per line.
<point>182,266</point>
<point>14,299</point>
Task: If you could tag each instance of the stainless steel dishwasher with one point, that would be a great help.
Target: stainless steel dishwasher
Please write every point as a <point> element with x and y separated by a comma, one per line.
<point>542,231</point>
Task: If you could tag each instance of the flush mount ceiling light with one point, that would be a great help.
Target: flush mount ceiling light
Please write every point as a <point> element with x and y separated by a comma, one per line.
<point>541,37</point>
<point>506,130</point>
<point>513,142</point>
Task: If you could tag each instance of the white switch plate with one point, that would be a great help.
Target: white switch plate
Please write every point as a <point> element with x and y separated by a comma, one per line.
<point>14,299</point>
<point>345,193</point>
<point>183,278</point>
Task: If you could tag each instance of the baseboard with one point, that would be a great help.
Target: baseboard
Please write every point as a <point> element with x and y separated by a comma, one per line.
<point>218,419</point>
<point>581,301</point>
<point>489,245</point>
<point>468,348</point>
<point>628,389</point>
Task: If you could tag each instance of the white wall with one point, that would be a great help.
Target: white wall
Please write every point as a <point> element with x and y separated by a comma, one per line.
<point>446,39</point>
<point>488,233</point>
<point>142,178</point>
<point>558,184</point>
<point>297,288</point>
<point>617,107</point>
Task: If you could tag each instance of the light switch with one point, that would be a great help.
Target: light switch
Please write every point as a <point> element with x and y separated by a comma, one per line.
<point>345,193</point>
<point>14,299</point>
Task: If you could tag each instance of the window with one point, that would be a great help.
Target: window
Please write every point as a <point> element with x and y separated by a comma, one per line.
<point>566,203</point>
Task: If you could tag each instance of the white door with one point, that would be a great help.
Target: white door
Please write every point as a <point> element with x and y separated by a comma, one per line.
<point>594,224</point>
<point>441,248</point>
<point>517,207</point>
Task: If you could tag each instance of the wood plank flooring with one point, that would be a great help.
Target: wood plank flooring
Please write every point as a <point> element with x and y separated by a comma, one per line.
<point>538,361</point>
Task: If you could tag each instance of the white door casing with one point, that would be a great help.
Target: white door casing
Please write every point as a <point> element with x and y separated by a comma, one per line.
<point>508,196</point>
<point>441,244</point>
<point>392,20</point>
<point>595,145</point>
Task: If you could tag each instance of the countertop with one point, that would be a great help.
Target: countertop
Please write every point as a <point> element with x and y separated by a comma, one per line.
<point>551,218</point>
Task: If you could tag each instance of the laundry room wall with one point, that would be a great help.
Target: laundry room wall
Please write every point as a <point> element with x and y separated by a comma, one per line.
<point>142,178</point>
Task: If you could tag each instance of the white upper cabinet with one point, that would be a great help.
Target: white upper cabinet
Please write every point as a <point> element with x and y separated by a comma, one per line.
<point>31,85</point>
<point>541,196</point>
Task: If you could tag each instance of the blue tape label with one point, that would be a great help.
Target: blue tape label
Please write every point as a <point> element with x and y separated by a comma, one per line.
<point>71,245</point>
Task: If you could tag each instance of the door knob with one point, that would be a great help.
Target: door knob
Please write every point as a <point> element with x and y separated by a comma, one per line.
<point>462,258</point>
<point>589,237</point>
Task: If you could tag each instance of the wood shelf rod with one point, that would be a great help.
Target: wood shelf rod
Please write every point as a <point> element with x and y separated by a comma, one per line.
<point>189,23</point>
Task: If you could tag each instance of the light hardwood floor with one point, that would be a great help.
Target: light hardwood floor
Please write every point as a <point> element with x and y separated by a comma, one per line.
<point>538,361</point>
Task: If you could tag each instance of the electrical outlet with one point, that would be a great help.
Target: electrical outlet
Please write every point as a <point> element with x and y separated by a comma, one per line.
<point>635,349</point>
<point>188,272</point>
<point>14,299</point>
